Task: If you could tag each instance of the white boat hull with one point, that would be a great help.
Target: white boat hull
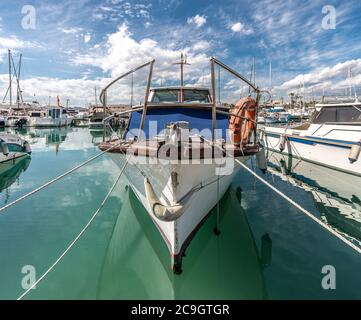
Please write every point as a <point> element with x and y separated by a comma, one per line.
<point>49,122</point>
<point>200,178</point>
<point>314,149</point>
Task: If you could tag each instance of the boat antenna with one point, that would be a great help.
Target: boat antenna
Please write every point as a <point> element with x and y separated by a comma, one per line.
<point>270,80</point>
<point>182,63</point>
<point>95,97</point>
<point>253,74</point>
<point>58,101</point>
<point>10,78</point>
<point>349,81</point>
<point>131,90</point>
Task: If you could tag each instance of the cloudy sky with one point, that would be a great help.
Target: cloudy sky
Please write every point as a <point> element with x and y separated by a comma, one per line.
<point>77,45</point>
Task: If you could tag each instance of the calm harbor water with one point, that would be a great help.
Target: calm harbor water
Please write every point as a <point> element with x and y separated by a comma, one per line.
<point>267,249</point>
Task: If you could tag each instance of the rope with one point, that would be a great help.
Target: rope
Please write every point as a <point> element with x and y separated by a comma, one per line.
<point>78,236</point>
<point>306,212</point>
<point>295,204</point>
<point>55,179</point>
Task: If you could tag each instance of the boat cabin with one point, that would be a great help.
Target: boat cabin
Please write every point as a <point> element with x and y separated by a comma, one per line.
<point>337,113</point>
<point>189,106</point>
<point>56,113</point>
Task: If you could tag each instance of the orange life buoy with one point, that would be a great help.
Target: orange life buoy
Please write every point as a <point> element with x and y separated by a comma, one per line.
<point>240,129</point>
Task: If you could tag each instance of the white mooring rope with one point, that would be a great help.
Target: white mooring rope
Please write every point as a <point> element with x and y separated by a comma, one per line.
<point>295,204</point>
<point>306,212</point>
<point>79,235</point>
<point>55,179</point>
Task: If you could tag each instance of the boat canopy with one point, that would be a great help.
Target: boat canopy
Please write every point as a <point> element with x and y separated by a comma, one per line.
<point>198,119</point>
<point>173,95</point>
<point>338,113</point>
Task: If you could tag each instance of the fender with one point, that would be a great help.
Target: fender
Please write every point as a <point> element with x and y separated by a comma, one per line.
<point>161,211</point>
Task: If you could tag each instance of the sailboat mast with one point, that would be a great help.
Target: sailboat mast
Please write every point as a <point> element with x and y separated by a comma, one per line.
<point>10,74</point>
<point>254,71</point>
<point>270,75</point>
<point>350,81</point>
<point>18,83</point>
<point>95,96</point>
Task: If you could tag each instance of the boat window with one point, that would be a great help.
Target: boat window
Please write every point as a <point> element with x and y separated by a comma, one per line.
<point>349,114</point>
<point>165,96</point>
<point>200,96</point>
<point>338,114</point>
<point>189,96</point>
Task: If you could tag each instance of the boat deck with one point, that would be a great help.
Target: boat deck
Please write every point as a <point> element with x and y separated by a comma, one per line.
<point>184,151</point>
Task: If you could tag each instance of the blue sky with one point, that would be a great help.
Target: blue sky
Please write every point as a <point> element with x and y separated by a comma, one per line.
<point>77,45</point>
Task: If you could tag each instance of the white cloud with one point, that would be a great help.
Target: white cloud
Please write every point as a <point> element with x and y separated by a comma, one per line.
<point>13,43</point>
<point>117,54</point>
<point>79,91</point>
<point>121,52</point>
<point>240,28</point>
<point>201,46</point>
<point>329,78</point>
<point>198,20</point>
<point>72,30</point>
<point>87,38</point>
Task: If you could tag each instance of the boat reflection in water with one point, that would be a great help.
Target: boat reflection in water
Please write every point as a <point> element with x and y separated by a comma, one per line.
<point>43,138</point>
<point>10,172</point>
<point>336,195</point>
<point>136,264</point>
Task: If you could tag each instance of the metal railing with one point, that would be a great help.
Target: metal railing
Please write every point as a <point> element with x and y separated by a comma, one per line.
<point>103,94</point>
<point>214,62</point>
<point>144,108</point>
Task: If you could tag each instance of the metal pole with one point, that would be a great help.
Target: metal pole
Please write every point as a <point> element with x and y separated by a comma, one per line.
<point>214,114</point>
<point>146,97</point>
<point>95,97</point>
<point>219,84</point>
<point>19,73</point>
<point>10,80</point>
<point>104,107</point>
<point>182,81</point>
<point>131,91</point>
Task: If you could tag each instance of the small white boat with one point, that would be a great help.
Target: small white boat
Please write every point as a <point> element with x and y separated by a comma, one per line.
<point>52,117</point>
<point>12,147</point>
<point>332,138</point>
<point>175,170</point>
<point>277,115</point>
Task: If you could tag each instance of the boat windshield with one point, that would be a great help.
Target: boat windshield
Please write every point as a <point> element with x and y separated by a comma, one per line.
<point>174,95</point>
<point>338,114</point>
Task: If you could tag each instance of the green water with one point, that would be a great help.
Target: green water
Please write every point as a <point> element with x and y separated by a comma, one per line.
<point>122,256</point>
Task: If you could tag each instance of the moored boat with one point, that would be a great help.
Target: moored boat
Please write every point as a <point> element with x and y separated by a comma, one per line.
<point>52,117</point>
<point>12,147</point>
<point>179,152</point>
<point>332,137</point>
